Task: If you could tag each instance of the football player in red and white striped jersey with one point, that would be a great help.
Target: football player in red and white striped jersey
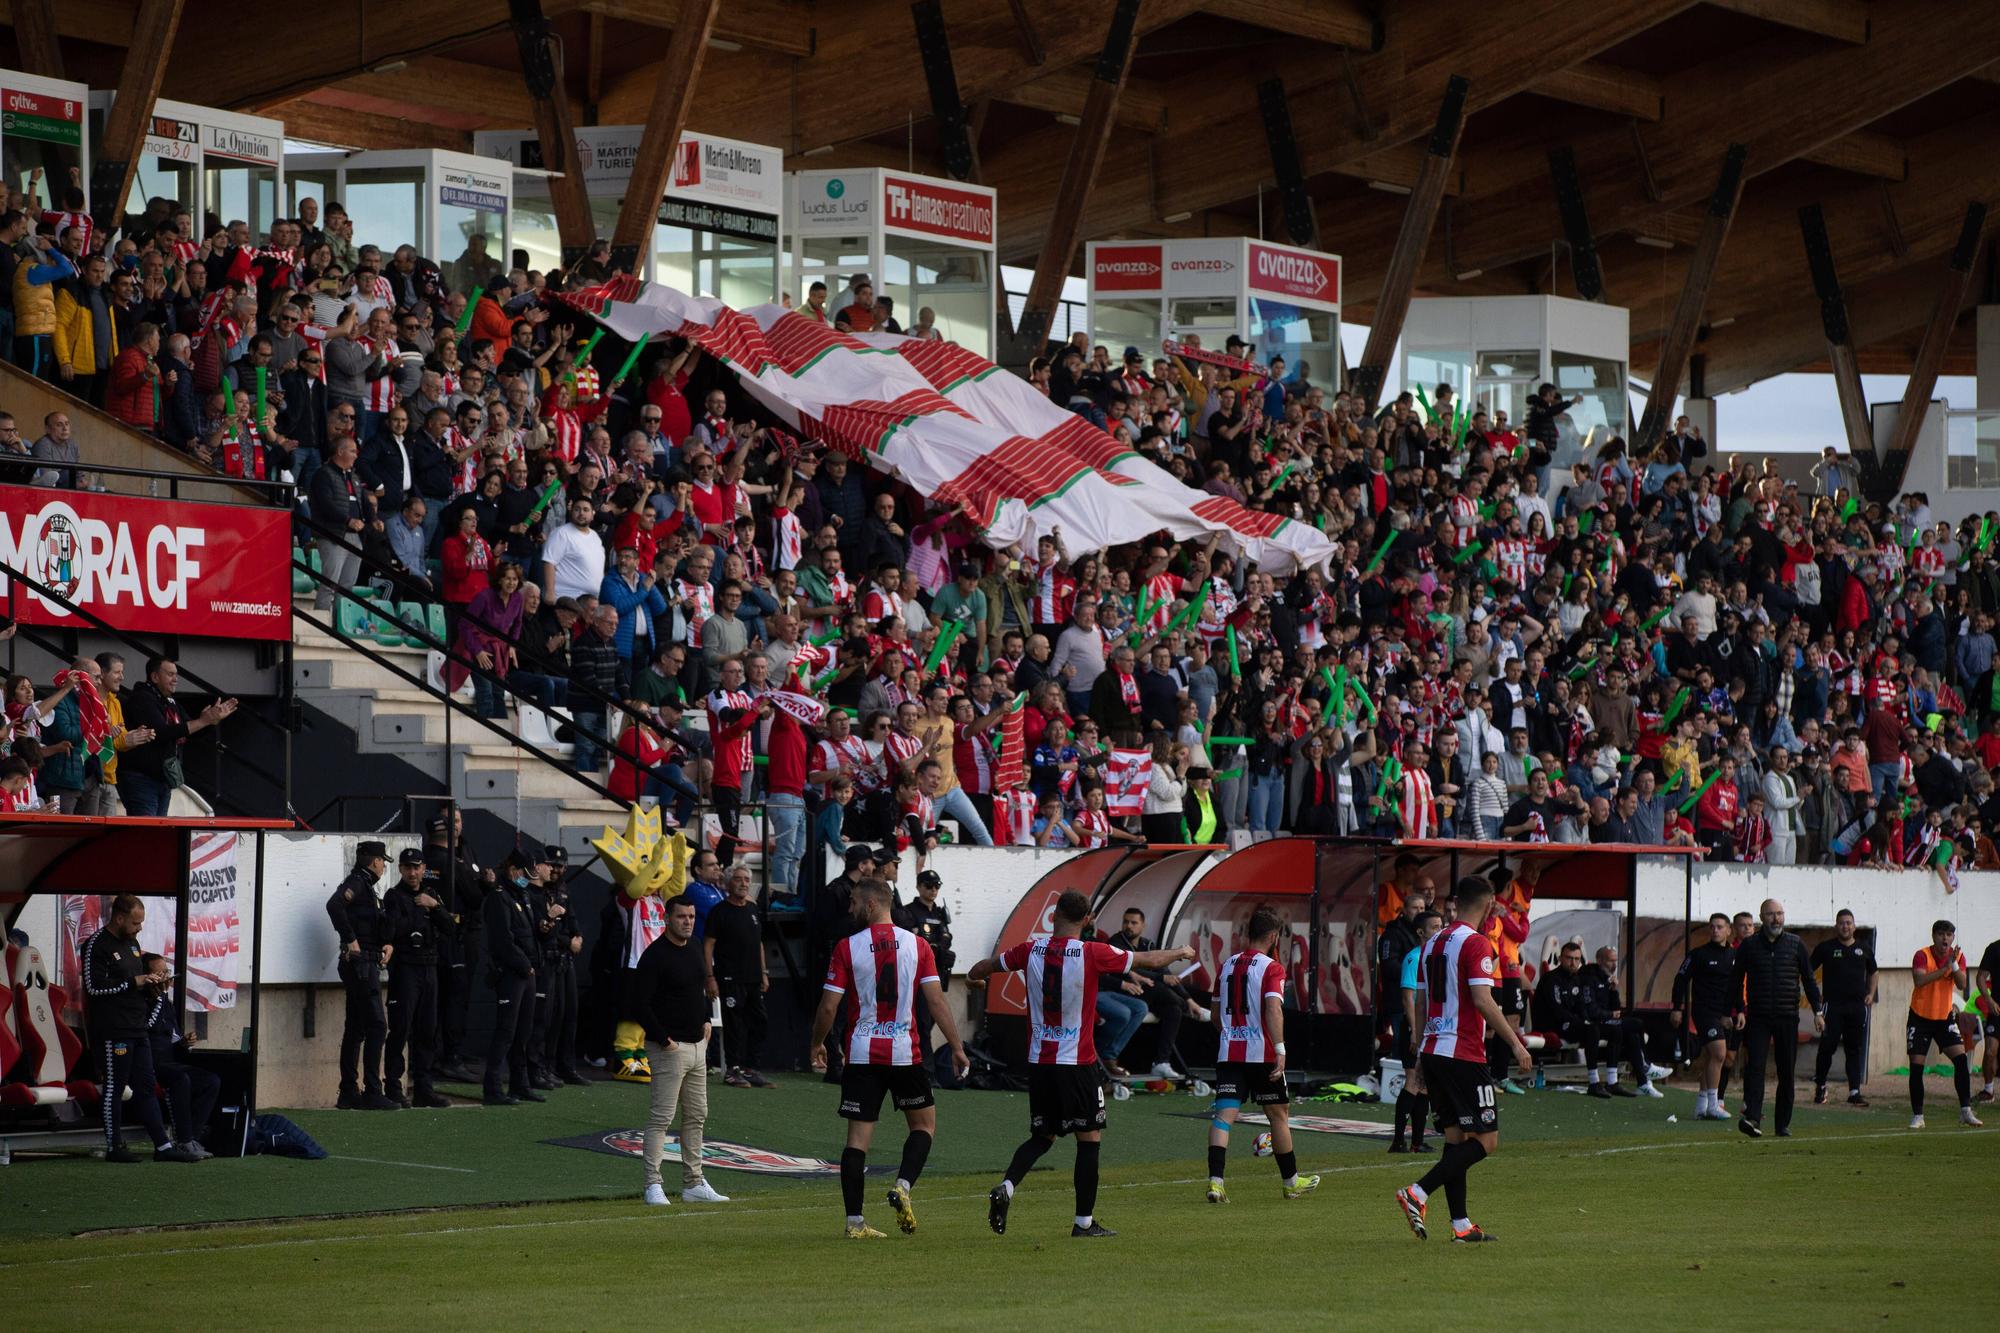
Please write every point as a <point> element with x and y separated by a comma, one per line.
<point>1250,1060</point>
<point>1458,967</point>
<point>1065,1089</point>
<point>872,982</point>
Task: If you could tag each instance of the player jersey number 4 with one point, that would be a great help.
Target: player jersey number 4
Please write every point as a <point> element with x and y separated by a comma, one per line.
<point>1455,961</point>
<point>878,971</point>
<point>1061,975</point>
<point>1240,990</point>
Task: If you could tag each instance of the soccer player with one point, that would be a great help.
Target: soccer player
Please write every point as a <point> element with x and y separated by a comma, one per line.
<point>1989,1005</point>
<point>1934,973</point>
<point>1413,1103</point>
<point>1744,924</point>
<point>1701,993</point>
<point>875,974</point>
<point>1250,1060</point>
<point>1846,968</point>
<point>1458,967</point>
<point>1065,1094</point>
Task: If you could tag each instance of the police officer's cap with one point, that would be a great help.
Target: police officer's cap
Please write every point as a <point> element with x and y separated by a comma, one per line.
<point>554,855</point>
<point>927,878</point>
<point>516,861</point>
<point>410,856</point>
<point>372,851</point>
<point>889,855</point>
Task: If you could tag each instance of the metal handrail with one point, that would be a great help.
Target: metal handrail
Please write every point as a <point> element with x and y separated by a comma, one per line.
<point>172,478</point>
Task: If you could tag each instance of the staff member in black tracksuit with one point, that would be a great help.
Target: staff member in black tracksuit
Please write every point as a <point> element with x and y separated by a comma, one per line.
<point>357,918</point>
<point>191,1090</point>
<point>452,877</point>
<point>412,922</point>
<point>561,940</point>
<point>510,971</point>
<point>117,991</point>
<point>1846,966</point>
<point>1702,994</point>
<point>1623,1036</point>
<point>1770,967</point>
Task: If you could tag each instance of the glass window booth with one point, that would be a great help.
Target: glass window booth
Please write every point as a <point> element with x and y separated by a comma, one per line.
<point>44,136</point>
<point>219,166</point>
<point>718,231</point>
<point>1283,300</point>
<point>1503,348</point>
<point>452,206</point>
<point>923,242</point>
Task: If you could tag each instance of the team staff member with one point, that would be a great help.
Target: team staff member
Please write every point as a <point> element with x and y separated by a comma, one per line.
<point>873,981</point>
<point>1934,973</point>
<point>1846,968</point>
<point>1772,965</point>
<point>1564,1005</point>
<point>117,989</point>
<point>1162,990</point>
<point>1065,1094</point>
<point>452,877</point>
<point>562,941</point>
<point>1743,926</point>
<point>412,923</point>
<point>510,971</point>
<point>1989,976</point>
<point>1703,999</point>
<point>1250,1060</point>
<point>1623,1036</point>
<point>732,939</point>
<point>1507,930</point>
<point>191,1090</point>
<point>356,914</point>
<point>668,996</point>
<point>1413,1102</point>
<point>1458,967</point>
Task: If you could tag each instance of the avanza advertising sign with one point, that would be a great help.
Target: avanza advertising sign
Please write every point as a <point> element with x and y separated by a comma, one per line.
<point>1126,268</point>
<point>1302,275</point>
<point>157,566</point>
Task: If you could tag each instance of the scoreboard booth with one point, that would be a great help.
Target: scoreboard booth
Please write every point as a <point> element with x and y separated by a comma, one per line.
<point>202,880</point>
<point>1333,894</point>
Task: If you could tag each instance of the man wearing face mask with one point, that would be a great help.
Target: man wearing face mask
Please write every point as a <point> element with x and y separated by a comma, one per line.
<point>356,914</point>
<point>413,923</point>
<point>1770,967</point>
<point>510,953</point>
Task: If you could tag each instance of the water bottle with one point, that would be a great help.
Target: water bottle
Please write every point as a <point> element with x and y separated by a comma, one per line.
<point>1541,1078</point>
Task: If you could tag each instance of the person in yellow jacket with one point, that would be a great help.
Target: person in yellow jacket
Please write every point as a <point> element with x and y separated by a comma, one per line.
<point>35,280</point>
<point>86,333</point>
<point>100,793</point>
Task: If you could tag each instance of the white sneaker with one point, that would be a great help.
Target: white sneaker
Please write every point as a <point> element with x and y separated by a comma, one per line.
<point>1656,1072</point>
<point>1165,1070</point>
<point>1648,1090</point>
<point>1916,1122</point>
<point>703,1193</point>
<point>1966,1117</point>
<point>656,1196</point>
<point>1201,1015</point>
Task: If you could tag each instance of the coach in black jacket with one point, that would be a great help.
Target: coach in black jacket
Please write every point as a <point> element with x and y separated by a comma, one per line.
<point>117,991</point>
<point>1770,968</point>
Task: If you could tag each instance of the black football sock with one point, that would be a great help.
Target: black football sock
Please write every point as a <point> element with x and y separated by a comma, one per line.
<point>1420,1109</point>
<point>1916,1085</point>
<point>1402,1113</point>
<point>1447,1167</point>
<point>853,1168</point>
<point>1470,1154</point>
<point>1454,1194</point>
<point>916,1151</point>
<point>1026,1156</point>
<point>1722,1082</point>
<point>1961,1078</point>
<point>1288,1165</point>
<point>1218,1155</point>
<point>1086,1177</point>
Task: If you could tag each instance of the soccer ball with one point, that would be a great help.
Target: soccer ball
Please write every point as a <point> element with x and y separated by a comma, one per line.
<point>1261,1145</point>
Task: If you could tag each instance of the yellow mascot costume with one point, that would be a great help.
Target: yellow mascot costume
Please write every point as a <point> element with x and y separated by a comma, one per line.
<point>647,870</point>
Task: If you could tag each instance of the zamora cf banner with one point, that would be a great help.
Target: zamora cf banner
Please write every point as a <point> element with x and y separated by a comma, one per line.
<point>163,566</point>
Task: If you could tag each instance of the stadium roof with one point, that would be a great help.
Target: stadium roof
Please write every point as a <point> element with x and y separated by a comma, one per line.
<point>1884,114</point>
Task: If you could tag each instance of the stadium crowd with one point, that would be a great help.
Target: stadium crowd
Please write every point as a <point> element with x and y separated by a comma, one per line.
<point>1525,634</point>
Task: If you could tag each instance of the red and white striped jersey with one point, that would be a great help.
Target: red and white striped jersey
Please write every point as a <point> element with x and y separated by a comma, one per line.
<point>1511,554</point>
<point>379,395</point>
<point>1054,595</point>
<point>703,597</point>
<point>1093,828</point>
<point>565,433</point>
<point>788,539</point>
<point>1454,961</point>
<point>880,602</point>
<point>877,971</point>
<point>1464,518</point>
<point>1245,979</point>
<point>899,749</point>
<point>1161,589</point>
<point>1419,808</point>
<point>1061,972</point>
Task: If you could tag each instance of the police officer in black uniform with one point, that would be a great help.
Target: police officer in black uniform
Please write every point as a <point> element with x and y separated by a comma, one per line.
<point>357,918</point>
<point>555,1012</point>
<point>413,922</point>
<point>452,877</point>
<point>537,1016</point>
<point>1846,965</point>
<point>510,971</point>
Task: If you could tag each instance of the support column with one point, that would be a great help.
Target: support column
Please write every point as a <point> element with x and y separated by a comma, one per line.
<point>116,155</point>
<point>1584,267</point>
<point>665,119</point>
<point>1086,154</point>
<point>1399,281</point>
<point>35,35</point>
<point>1301,221</point>
<point>948,111</point>
<point>1839,338</point>
<point>555,129</point>
<point>1678,344</point>
<point>1931,351</point>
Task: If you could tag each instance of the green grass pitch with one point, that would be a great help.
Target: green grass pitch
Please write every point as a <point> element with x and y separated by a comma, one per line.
<point>1605,1213</point>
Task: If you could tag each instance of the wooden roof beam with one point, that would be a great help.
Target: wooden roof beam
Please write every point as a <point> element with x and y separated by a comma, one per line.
<point>1142,106</point>
<point>680,77</point>
<point>1842,20</point>
<point>451,85</point>
<point>322,122</point>
<point>1332,22</point>
<point>1622,92</point>
<point>1864,153</point>
<point>783,26</point>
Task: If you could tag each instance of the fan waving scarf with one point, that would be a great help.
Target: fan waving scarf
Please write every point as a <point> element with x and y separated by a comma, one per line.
<point>953,425</point>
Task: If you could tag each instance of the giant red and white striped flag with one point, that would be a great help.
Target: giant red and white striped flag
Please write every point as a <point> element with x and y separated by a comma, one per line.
<point>953,425</point>
<point>1126,776</point>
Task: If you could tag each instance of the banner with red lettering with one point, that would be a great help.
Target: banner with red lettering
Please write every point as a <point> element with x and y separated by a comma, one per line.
<point>146,565</point>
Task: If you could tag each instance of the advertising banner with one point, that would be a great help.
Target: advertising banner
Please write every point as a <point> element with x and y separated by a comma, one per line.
<point>1302,275</point>
<point>1126,268</point>
<point>146,565</point>
<point>924,207</point>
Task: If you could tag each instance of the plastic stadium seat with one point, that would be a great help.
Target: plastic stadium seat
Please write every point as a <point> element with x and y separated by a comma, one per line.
<point>415,621</point>
<point>354,620</point>
<point>388,624</point>
<point>537,728</point>
<point>301,584</point>
<point>436,610</point>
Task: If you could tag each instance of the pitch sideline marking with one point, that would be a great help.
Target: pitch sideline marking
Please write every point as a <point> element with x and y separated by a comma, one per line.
<point>685,1211</point>
<point>420,1166</point>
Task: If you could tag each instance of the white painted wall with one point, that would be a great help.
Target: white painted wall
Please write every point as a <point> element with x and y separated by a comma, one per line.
<point>301,871</point>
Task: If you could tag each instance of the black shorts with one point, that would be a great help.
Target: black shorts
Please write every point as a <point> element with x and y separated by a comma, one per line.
<point>1251,1082</point>
<point>1064,1099</point>
<point>1733,1035</point>
<point>1513,1001</point>
<point>1924,1031</point>
<point>1461,1094</point>
<point>862,1088</point>
<point>1710,1027</point>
